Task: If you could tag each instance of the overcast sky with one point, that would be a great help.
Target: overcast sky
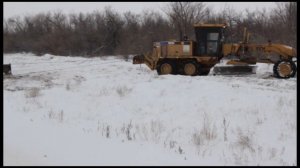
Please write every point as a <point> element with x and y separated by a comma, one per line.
<point>25,8</point>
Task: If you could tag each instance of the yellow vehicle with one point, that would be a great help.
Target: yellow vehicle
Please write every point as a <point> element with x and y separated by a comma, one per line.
<point>197,57</point>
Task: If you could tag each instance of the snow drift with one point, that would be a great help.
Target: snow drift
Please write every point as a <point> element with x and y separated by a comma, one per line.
<point>106,111</point>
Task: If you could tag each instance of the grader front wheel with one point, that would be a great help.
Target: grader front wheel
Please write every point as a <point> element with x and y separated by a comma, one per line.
<point>284,69</point>
<point>165,68</point>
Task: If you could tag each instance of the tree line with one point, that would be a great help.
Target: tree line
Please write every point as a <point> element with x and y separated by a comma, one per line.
<point>109,33</point>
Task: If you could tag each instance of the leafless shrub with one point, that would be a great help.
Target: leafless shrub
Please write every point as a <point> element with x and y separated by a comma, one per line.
<point>25,109</point>
<point>107,131</point>
<point>128,131</point>
<point>284,163</point>
<point>208,130</point>
<point>180,150</point>
<point>172,144</point>
<point>197,139</point>
<point>98,126</point>
<point>254,111</point>
<point>48,83</point>
<point>206,134</point>
<point>117,132</point>
<point>51,114</point>
<point>237,159</point>
<point>33,92</point>
<point>245,141</point>
<point>103,129</point>
<point>273,152</point>
<point>103,92</point>
<point>280,102</point>
<point>78,79</point>
<point>225,126</point>
<point>235,85</point>
<point>145,132</point>
<point>68,86</point>
<point>259,121</point>
<point>156,129</point>
<point>59,116</point>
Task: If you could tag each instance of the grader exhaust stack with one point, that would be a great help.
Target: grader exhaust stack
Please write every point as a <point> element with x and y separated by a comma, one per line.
<point>198,57</point>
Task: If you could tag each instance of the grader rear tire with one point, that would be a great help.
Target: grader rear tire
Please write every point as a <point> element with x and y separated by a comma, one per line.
<point>190,68</point>
<point>284,69</point>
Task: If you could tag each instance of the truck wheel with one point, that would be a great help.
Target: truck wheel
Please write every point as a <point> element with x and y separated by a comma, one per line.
<point>165,68</point>
<point>284,69</point>
<point>190,68</point>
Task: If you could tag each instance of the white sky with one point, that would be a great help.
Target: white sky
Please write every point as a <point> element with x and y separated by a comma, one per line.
<point>25,8</point>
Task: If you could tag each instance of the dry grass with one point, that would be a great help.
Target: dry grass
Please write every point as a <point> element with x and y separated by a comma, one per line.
<point>107,131</point>
<point>128,131</point>
<point>156,128</point>
<point>104,92</point>
<point>33,92</point>
<point>56,115</point>
<point>225,126</point>
<point>206,134</point>
<point>197,139</point>
<point>123,91</point>
<point>68,87</point>
<point>245,141</point>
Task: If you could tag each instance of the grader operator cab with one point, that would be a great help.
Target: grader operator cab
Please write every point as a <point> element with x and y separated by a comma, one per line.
<point>198,57</point>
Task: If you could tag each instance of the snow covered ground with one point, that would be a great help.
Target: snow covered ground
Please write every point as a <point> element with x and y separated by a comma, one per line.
<point>107,111</point>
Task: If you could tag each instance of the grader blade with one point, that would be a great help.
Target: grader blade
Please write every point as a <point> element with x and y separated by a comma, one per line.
<point>7,69</point>
<point>139,59</point>
<point>234,70</point>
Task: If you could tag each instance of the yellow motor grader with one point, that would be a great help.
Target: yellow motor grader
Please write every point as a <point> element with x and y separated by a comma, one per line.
<point>197,57</point>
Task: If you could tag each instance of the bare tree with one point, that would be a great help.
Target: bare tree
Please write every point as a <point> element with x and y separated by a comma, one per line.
<point>184,14</point>
<point>107,32</point>
<point>130,34</point>
<point>285,17</point>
